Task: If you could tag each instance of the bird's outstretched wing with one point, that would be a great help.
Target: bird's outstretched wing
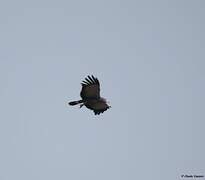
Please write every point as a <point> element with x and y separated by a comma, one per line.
<point>90,88</point>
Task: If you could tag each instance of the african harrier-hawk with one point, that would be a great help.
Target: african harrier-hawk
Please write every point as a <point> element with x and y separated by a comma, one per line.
<point>90,95</point>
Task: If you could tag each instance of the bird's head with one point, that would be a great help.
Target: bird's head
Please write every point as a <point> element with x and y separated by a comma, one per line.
<point>107,102</point>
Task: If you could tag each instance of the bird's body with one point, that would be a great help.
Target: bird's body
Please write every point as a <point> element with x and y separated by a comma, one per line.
<point>90,95</point>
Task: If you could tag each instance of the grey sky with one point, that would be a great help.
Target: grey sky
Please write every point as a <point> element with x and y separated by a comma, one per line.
<point>149,58</point>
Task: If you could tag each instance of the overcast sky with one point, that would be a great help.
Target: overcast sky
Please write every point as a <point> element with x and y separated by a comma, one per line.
<point>149,57</point>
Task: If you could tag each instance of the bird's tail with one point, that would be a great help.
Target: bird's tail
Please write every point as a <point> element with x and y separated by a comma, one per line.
<point>72,103</point>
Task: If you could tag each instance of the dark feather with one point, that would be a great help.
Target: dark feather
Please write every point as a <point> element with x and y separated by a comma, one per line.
<point>90,82</point>
<point>91,79</point>
<point>95,79</point>
<point>85,82</point>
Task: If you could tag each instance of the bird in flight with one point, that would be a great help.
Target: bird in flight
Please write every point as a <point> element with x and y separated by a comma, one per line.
<point>90,94</point>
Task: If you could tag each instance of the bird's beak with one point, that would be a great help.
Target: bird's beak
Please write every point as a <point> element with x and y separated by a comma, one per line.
<point>108,102</point>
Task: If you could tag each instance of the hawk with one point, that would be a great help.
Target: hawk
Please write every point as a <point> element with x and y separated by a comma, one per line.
<point>90,94</point>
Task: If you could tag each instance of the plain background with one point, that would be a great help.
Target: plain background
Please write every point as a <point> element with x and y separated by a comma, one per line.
<point>149,58</point>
